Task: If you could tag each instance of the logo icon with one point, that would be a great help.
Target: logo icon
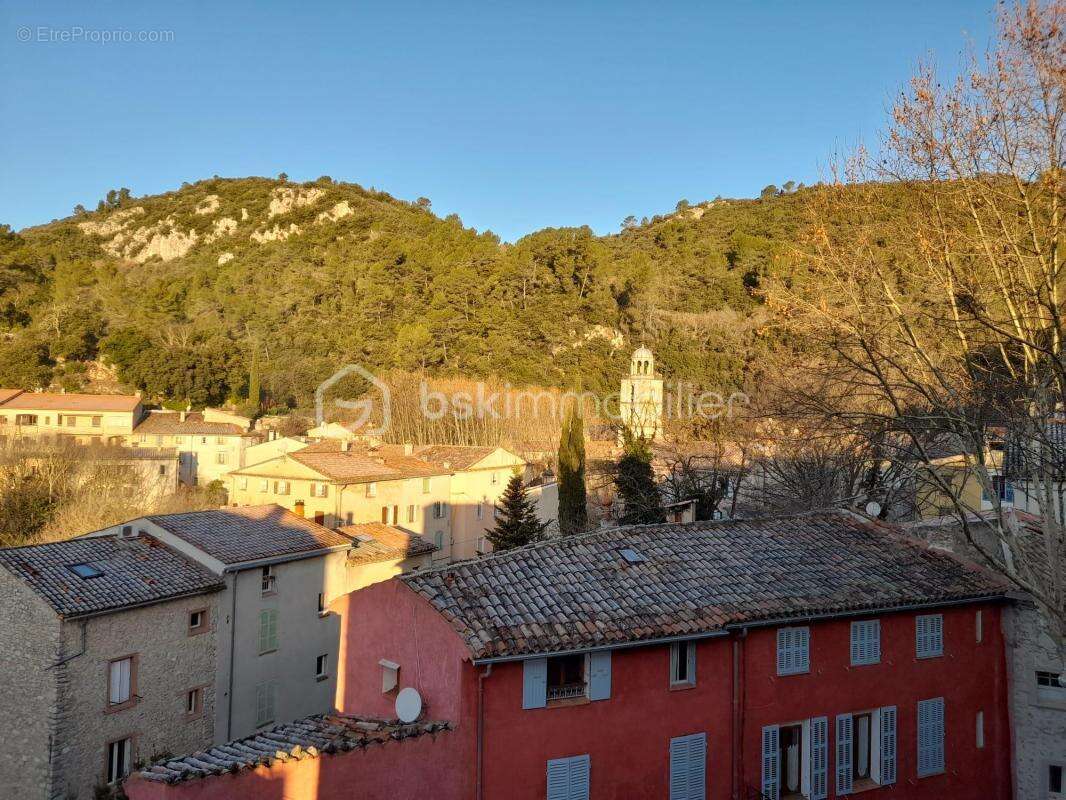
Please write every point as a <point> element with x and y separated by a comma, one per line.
<point>364,407</point>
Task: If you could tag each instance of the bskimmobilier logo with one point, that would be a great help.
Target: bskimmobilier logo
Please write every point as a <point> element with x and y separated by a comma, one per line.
<point>380,395</point>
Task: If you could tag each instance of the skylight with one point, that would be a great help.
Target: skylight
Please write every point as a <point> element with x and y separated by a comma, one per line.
<point>85,571</point>
<point>632,556</point>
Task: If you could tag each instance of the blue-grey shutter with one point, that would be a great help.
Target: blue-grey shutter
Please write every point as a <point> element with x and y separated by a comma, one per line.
<point>929,632</point>
<point>691,654</point>
<point>784,651</point>
<point>579,778</point>
<point>770,744</point>
<point>888,745</point>
<point>600,675</point>
<point>793,650</point>
<point>688,767</point>
<point>930,737</point>
<point>844,734</point>
<point>534,683</point>
<point>865,642</point>
<point>819,758</point>
<point>936,634</point>
<point>559,779</point>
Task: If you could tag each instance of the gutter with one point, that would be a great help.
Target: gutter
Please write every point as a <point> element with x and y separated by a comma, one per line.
<point>729,629</point>
<point>218,587</point>
<point>240,566</point>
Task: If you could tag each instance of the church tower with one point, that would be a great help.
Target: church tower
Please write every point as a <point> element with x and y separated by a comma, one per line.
<point>641,399</point>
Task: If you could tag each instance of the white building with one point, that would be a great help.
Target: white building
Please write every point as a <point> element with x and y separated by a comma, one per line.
<point>640,401</point>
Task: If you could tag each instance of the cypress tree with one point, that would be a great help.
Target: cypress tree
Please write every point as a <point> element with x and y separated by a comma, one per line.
<point>573,501</point>
<point>255,391</point>
<point>635,482</point>
<point>517,523</point>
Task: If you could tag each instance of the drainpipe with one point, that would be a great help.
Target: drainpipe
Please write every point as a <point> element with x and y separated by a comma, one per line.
<point>232,646</point>
<point>738,714</point>
<point>479,792</point>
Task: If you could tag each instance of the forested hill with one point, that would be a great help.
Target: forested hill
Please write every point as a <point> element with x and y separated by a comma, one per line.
<point>189,293</point>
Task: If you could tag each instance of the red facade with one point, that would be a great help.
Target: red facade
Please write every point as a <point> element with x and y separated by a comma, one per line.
<point>737,693</point>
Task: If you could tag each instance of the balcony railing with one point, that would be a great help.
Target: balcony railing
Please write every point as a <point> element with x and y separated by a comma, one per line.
<point>566,691</point>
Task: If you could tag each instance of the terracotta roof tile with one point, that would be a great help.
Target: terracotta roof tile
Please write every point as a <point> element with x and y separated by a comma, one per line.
<point>696,578</point>
<point>170,423</point>
<point>376,541</point>
<point>362,463</point>
<point>70,401</point>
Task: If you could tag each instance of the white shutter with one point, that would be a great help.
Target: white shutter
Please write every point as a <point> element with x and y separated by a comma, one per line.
<point>930,737</point>
<point>844,734</point>
<point>770,744</point>
<point>120,681</point>
<point>534,683</point>
<point>688,767</point>
<point>819,764</point>
<point>888,745</point>
<point>600,675</point>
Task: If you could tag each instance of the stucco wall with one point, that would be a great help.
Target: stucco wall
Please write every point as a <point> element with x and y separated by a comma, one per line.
<point>1039,724</point>
<point>170,662</point>
<point>29,645</point>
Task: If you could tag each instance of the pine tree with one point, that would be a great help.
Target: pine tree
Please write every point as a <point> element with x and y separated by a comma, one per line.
<point>517,524</point>
<point>641,502</point>
<point>573,500</point>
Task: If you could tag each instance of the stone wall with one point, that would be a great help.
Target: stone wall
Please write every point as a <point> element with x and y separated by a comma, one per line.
<point>169,662</point>
<point>1039,724</point>
<point>29,645</point>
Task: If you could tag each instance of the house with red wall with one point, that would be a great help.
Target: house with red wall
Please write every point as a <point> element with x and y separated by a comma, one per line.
<point>810,656</point>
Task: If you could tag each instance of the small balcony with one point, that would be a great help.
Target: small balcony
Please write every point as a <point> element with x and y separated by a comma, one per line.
<point>566,691</point>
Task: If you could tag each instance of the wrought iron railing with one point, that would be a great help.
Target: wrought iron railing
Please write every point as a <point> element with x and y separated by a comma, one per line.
<point>566,691</point>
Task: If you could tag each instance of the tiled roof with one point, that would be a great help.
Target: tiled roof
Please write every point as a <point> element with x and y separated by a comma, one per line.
<point>455,456</point>
<point>133,571</point>
<point>70,401</point>
<point>292,741</point>
<point>362,463</point>
<point>235,535</point>
<point>695,578</point>
<point>170,423</point>
<point>7,394</point>
<point>376,541</point>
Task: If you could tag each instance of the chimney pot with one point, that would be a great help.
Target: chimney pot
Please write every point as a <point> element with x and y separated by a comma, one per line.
<point>408,449</point>
<point>298,508</point>
<point>345,445</point>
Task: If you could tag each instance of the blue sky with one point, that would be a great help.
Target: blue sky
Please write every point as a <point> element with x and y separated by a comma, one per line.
<point>516,116</point>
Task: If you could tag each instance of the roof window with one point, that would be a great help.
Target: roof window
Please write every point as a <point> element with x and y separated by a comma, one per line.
<point>632,556</point>
<point>85,571</point>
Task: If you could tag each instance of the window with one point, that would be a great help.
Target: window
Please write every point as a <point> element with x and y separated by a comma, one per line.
<point>980,738</point>
<point>265,694</point>
<point>242,483</point>
<point>929,633</point>
<point>1050,686</point>
<point>220,440</point>
<point>384,515</point>
<point>281,487</point>
<point>264,485</point>
<point>71,421</point>
<point>566,677</point>
<point>793,651</point>
<point>795,759</point>
<point>268,631</point>
<point>268,583</point>
<point>179,440</point>
<point>930,737</point>
<point>120,677</point>
<point>683,664</point>
<point>865,642</point>
<point>97,421</point>
<point>411,513</point>
<point>371,489</point>
<point>1055,782</point>
<point>479,510</point>
<point>220,458</point>
<point>319,490</point>
<point>194,702</point>
<point>320,517</point>
<point>425,485</point>
<point>440,509</point>
<point>321,664</point>
<point>119,757</point>
<point>197,621</point>
<point>203,440</point>
<point>688,767</point>
<point>321,603</point>
<point>568,778</point>
<point>865,749</point>
<point>85,571</point>
<point>438,539</point>
<point>390,675</point>
<point>978,627</point>
<point>162,470</point>
<point>30,419</point>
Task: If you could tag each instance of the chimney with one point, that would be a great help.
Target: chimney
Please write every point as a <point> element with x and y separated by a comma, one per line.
<point>182,415</point>
<point>345,445</point>
<point>298,508</point>
<point>408,449</point>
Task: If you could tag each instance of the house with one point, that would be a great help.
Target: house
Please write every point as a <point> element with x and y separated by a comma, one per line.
<point>272,447</point>
<point>108,652</point>
<point>811,656</point>
<point>210,443</point>
<point>446,494</point>
<point>1037,662</point>
<point>88,418</point>
<point>278,640</point>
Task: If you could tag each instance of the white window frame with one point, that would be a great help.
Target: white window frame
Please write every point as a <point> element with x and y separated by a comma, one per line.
<point>120,678</point>
<point>372,489</point>
<point>268,581</point>
<point>683,652</point>
<point>119,760</point>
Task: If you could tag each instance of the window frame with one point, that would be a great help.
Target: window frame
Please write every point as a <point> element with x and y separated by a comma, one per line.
<point>266,691</point>
<point>268,581</point>
<point>322,667</point>
<point>268,618</point>
<point>567,692</point>
<point>203,626</point>
<point>688,646</point>
<point>131,699</point>
<point>196,693</point>
<point>110,779</point>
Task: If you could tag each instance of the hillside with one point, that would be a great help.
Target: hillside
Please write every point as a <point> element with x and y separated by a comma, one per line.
<point>191,294</point>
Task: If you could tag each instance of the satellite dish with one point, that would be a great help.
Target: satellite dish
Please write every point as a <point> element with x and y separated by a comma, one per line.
<point>408,705</point>
<point>873,508</point>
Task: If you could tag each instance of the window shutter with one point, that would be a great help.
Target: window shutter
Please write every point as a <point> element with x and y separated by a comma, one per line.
<point>535,684</point>
<point>930,737</point>
<point>888,745</point>
<point>558,779</point>
<point>865,642</point>
<point>579,778</point>
<point>929,632</point>
<point>784,651</point>
<point>600,675</point>
<point>691,650</point>
<point>844,754</point>
<point>770,744</point>
<point>688,767</point>
<point>793,650</point>
<point>819,758</point>
<point>120,681</point>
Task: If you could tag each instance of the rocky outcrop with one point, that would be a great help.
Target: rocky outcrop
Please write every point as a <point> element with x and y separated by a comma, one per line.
<point>225,258</point>
<point>209,205</point>
<point>113,224</point>
<point>339,211</point>
<point>275,234</point>
<point>284,199</point>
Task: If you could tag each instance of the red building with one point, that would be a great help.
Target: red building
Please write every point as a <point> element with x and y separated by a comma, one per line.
<point>810,656</point>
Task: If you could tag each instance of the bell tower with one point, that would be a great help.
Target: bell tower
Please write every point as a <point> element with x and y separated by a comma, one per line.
<point>641,398</point>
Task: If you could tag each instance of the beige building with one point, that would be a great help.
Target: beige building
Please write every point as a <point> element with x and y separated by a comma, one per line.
<point>210,443</point>
<point>89,418</point>
<point>640,401</point>
<point>108,652</point>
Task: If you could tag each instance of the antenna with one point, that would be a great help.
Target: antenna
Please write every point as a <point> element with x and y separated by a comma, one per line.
<point>408,705</point>
<point>873,508</point>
